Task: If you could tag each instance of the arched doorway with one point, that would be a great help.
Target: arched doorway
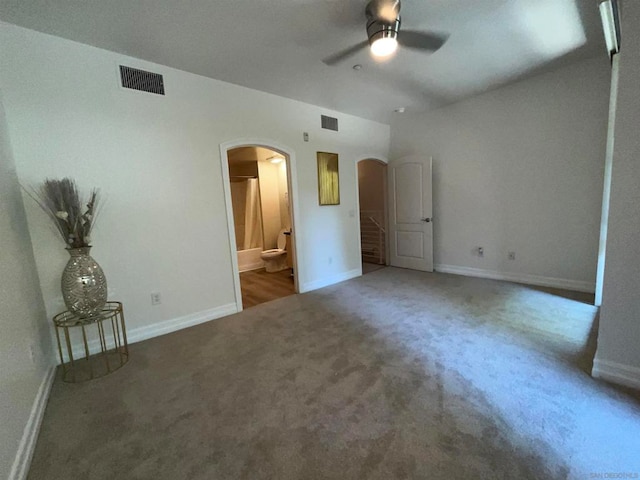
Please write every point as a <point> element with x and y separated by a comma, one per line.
<point>372,195</point>
<point>259,181</point>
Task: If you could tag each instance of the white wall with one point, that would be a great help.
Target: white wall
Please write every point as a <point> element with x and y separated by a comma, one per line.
<point>157,160</point>
<point>283,191</point>
<point>273,196</point>
<point>519,169</point>
<point>618,355</point>
<point>269,203</point>
<point>23,323</point>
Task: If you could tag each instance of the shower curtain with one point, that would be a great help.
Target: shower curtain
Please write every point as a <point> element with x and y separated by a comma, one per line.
<point>253,220</point>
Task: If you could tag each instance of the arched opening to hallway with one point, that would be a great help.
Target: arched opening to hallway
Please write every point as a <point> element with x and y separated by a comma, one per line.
<point>372,194</point>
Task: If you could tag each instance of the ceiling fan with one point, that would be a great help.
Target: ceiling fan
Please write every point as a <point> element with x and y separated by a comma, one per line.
<point>384,35</point>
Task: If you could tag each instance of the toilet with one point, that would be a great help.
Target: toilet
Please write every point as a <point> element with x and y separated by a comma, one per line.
<point>275,259</point>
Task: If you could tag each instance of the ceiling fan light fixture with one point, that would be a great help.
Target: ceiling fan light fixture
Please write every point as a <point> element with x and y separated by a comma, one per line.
<point>383,27</point>
<point>383,47</point>
<point>383,37</point>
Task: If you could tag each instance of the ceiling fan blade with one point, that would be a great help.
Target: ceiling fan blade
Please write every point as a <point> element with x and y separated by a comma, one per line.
<point>344,54</point>
<point>421,40</point>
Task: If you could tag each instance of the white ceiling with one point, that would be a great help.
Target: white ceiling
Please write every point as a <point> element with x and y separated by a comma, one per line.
<point>277,46</point>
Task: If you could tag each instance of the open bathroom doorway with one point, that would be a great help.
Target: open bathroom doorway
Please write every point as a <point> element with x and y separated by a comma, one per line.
<point>258,186</point>
<point>372,196</point>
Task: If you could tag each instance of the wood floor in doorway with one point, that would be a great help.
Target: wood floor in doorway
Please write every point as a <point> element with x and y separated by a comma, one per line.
<point>258,286</point>
<point>370,267</point>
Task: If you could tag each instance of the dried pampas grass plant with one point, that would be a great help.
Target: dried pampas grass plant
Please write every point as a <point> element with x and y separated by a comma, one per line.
<point>60,200</point>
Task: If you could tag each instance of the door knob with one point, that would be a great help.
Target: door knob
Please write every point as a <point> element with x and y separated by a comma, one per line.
<point>426,220</point>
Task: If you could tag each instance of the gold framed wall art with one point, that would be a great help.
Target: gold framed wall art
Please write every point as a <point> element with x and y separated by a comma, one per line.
<point>328,179</point>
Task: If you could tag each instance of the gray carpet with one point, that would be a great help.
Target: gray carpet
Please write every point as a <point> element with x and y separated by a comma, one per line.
<point>394,375</point>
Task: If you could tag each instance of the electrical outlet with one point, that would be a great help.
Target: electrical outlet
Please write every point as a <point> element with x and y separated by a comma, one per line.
<point>480,251</point>
<point>330,260</point>
<point>305,136</point>
<point>155,298</point>
<point>512,255</point>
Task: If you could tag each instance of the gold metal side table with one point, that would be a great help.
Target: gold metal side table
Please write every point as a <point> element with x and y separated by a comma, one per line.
<point>102,338</point>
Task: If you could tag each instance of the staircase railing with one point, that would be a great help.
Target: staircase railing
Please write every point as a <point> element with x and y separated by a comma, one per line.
<point>372,236</point>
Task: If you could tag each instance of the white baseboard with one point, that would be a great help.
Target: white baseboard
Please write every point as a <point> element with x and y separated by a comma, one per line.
<point>324,282</point>
<point>615,372</point>
<point>143,333</point>
<point>23,457</point>
<point>575,285</point>
<point>162,328</point>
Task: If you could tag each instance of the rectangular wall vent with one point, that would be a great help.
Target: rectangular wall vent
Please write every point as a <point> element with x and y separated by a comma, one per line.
<point>329,123</point>
<point>141,80</point>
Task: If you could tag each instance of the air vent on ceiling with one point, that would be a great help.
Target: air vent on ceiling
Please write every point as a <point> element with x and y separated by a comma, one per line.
<point>141,80</point>
<point>329,123</point>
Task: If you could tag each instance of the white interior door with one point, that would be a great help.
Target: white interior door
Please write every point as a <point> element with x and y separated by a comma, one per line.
<point>410,208</point>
